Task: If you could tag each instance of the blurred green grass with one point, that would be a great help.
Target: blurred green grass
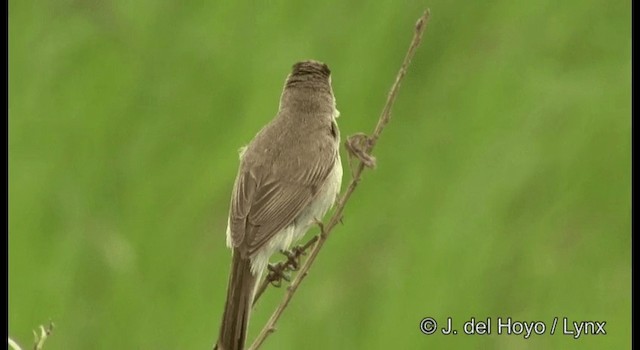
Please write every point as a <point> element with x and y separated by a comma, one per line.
<point>502,188</point>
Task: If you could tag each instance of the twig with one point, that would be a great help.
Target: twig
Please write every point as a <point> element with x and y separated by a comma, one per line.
<point>367,147</point>
<point>39,339</point>
<point>14,345</point>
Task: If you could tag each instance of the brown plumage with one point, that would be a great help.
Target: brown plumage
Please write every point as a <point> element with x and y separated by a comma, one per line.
<point>289,175</point>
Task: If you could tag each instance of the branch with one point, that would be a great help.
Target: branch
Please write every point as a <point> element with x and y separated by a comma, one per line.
<point>38,339</point>
<point>13,345</point>
<point>360,146</point>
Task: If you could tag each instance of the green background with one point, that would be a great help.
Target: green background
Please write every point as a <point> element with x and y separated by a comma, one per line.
<point>502,187</point>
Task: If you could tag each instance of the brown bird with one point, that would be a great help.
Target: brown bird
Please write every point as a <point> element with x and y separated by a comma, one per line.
<point>289,176</point>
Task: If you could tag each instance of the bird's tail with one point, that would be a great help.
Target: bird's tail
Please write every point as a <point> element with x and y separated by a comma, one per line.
<point>233,330</point>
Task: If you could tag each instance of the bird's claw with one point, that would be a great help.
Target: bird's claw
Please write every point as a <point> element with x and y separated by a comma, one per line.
<point>276,274</point>
<point>293,259</point>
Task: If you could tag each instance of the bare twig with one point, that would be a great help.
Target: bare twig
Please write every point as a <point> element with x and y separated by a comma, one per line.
<point>39,339</point>
<point>362,152</point>
<point>13,345</point>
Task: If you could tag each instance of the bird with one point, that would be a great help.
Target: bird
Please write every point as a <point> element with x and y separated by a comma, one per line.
<point>288,178</point>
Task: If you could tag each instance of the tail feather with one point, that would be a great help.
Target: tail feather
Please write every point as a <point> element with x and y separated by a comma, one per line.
<point>235,320</point>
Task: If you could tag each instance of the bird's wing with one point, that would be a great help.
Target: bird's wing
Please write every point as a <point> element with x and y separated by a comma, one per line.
<point>262,206</point>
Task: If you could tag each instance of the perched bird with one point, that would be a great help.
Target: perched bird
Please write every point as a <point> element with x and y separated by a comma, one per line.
<point>289,177</point>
